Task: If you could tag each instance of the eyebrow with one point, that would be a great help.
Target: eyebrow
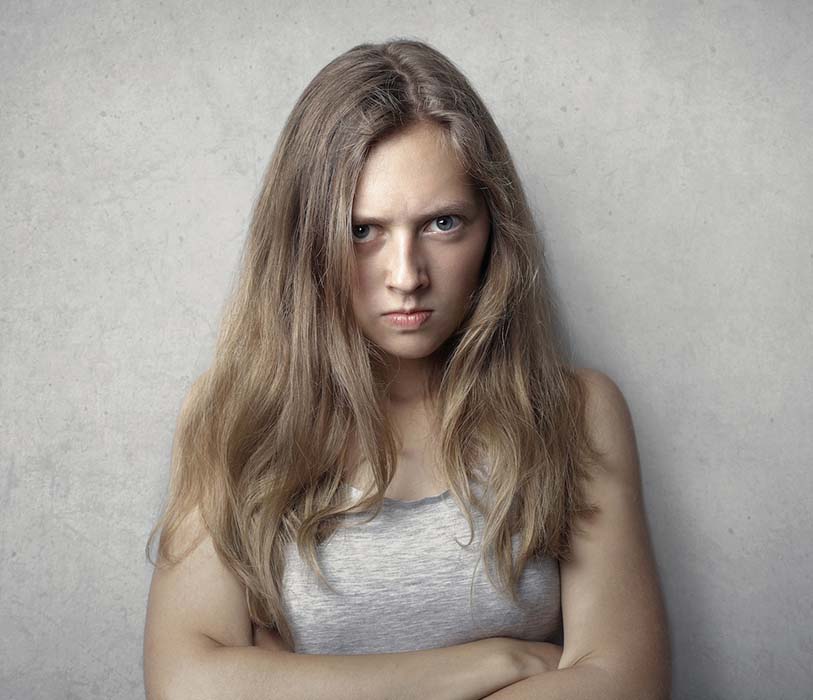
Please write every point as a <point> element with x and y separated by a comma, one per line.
<point>452,206</point>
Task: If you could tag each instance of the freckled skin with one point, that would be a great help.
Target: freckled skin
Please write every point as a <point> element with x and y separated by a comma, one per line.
<point>416,254</point>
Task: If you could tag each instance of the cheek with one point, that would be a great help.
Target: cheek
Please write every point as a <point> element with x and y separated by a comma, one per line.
<point>465,271</point>
<point>361,291</point>
<point>361,284</point>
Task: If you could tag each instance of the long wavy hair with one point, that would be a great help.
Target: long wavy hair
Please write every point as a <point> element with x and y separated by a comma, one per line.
<point>262,444</point>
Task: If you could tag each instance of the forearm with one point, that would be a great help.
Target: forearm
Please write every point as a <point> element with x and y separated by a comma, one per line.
<point>585,681</point>
<point>461,672</point>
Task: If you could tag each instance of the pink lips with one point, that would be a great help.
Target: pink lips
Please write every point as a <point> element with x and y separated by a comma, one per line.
<point>414,320</point>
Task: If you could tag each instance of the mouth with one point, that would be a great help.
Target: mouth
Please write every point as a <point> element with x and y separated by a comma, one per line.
<point>413,319</point>
<point>406,312</point>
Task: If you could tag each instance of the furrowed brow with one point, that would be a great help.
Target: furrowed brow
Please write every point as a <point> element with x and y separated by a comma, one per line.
<point>464,207</point>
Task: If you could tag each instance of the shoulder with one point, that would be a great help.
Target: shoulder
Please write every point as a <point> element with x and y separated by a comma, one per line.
<point>611,578</point>
<point>609,422</point>
<point>605,400</point>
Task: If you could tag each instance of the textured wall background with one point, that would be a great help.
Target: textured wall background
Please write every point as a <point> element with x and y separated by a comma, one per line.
<point>667,147</point>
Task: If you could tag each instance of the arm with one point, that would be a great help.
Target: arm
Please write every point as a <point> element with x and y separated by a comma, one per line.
<point>616,642</point>
<point>198,644</point>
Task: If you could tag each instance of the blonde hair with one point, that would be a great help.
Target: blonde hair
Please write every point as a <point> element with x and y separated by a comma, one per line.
<point>262,442</point>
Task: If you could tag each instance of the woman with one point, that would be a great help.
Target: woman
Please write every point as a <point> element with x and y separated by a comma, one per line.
<point>385,380</point>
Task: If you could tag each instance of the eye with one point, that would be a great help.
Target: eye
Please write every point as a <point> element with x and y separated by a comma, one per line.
<point>360,232</point>
<point>447,222</point>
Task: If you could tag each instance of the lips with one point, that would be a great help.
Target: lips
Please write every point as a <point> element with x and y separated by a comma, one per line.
<point>413,320</point>
<point>406,312</point>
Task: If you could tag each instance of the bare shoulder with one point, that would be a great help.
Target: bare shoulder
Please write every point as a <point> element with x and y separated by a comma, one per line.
<point>194,605</point>
<point>613,611</point>
<point>596,380</point>
<point>610,424</point>
<point>196,597</point>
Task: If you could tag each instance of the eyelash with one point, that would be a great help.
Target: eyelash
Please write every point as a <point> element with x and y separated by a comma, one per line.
<point>442,216</point>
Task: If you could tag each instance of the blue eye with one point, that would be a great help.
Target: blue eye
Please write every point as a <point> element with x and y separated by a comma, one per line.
<point>446,222</point>
<point>361,229</point>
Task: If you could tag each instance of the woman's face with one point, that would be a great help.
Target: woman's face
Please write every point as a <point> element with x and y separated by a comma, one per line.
<point>420,232</point>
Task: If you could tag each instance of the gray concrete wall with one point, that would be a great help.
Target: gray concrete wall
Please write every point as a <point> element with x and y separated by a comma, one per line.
<point>667,148</point>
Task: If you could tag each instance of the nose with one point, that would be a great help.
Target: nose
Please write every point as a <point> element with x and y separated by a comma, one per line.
<point>406,264</point>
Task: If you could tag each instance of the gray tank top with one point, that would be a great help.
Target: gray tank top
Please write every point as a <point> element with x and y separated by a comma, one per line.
<point>402,583</point>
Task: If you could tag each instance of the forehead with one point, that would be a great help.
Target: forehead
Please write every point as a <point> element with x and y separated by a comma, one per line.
<point>410,171</point>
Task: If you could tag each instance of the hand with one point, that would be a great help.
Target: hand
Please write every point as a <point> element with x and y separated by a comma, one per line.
<point>528,658</point>
<point>542,656</point>
<point>268,639</point>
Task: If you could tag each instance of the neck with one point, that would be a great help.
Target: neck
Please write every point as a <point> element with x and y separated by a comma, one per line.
<point>407,382</point>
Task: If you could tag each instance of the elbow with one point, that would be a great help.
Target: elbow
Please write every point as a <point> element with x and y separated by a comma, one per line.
<point>172,691</point>
<point>181,688</point>
<point>162,689</point>
<point>155,681</point>
<point>633,669</point>
<point>154,691</point>
<point>631,679</point>
<point>174,683</point>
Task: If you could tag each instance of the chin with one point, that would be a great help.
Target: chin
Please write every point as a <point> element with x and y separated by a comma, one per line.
<point>421,351</point>
<point>406,355</point>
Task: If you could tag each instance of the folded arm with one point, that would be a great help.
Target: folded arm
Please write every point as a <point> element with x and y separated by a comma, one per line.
<point>615,633</point>
<point>198,644</point>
